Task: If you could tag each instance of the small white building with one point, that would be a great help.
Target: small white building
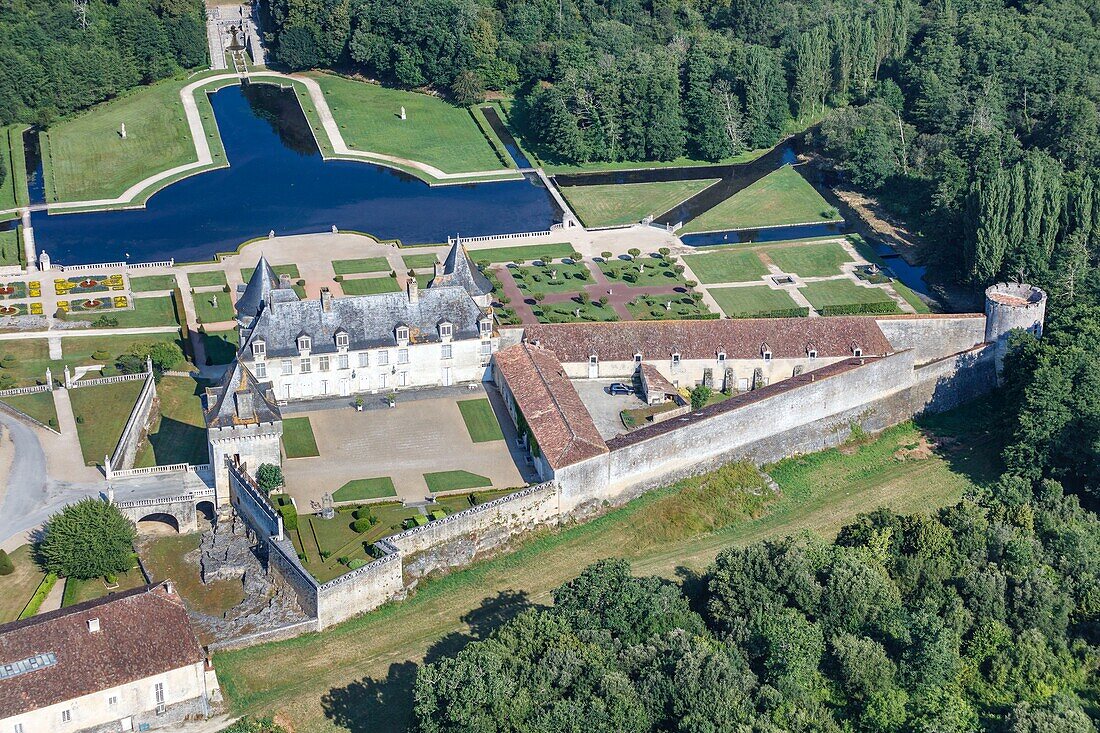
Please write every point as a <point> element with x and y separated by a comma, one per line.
<point>125,662</point>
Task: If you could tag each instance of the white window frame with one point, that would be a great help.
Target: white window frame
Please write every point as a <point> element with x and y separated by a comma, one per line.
<point>486,327</point>
<point>637,358</point>
<point>486,348</point>
<point>383,378</point>
<point>342,362</point>
<point>767,355</point>
<point>446,351</point>
<point>18,728</point>
<point>721,358</point>
<point>305,365</point>
<point>593,360</point>
<point>342,340</point>
<point>402,356</point>
<point>812,354</point>
<point>383,357</point>
<point>288,367</point>
<point>675,359</point>
<point>402,334</point>
<point>364,358</point>
<point>67,715</point>
<point>446,330</point>
<point>305,343</point>
<point>259,349</point>
<point>857,351</point>
<point>323,363</point>
<point>261,370</point>
<point>158,693</point>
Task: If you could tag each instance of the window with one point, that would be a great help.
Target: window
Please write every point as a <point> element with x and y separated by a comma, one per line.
<point>66,716</point>
<point>445,330</point>
<point>342,361</point>
<point>486,328</point>
<point>383,358</point>
<point>304,343</point>
<point>307,366</point>
<point>288,367</point>
<point>261,370</point>
<point>812,353</point>
<point>676,359</point>
<point>593,360</point>
<point>767,356</point>
<point>402,356</point>
<point>637,358</point>
<point>721,358</point>
<point>486,348</point>
<point>158,690</point>
<point>342,340</point>
<point>857,351</point>
<point>322,363</point>
<point>112,701</point>
<point>364,358</point>
<point>259,349</point>
<point>18,728</point>
<point>445,352</point>
<point>402,333</point>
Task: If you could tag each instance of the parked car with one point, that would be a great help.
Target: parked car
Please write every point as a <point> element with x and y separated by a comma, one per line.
<point>618,388</point>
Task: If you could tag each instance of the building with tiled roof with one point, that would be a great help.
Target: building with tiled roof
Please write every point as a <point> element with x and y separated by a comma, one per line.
<point>457,270</point>
<point>121,662</point>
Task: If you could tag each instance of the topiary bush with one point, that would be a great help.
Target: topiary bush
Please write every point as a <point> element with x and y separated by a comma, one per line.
<point>362,525</point>
<point>290,516</point>
<point>101,355</point>
<point>7,567</point>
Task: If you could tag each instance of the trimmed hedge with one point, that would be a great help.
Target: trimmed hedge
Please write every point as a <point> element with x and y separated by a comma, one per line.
<point>853,309</point>
<point>290,516</point>
<point>39,596</point>
<point>6,566</point>
<point>797,312</point>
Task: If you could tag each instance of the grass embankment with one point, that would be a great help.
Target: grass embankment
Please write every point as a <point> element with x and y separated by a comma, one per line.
<point>298,440</point>
<point>359,675</point>
<point>178,435</point>
<point>433,132</point>
<point>16,589</point>
<point>621,204</point>
<point>39,405</point>
<point>89,158</point>
<point>481,421</point>
<point>101,413</point>
<point>13,190</point>
<point>781,197</point>
<point>11,246</point>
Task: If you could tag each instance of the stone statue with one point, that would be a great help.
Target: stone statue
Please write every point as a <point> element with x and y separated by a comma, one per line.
<point>214,302</point>
<point>122,130</point>
<point>327,512</point>
<point>402,113</point>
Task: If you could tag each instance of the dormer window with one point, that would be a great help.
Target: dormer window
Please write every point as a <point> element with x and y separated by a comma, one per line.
<point>637,358</point>
<point>675,359</point>
<point>593,360</point>
<point>812,353</point>
<point>305,343</point>
<point>766,352</point>
<point>856,351</point>
<point>402,334</point>
<point>486,327</point>
<point>446,330</point>
<point>259,349</point>
<point>721,357</point>
<point>342,340</point>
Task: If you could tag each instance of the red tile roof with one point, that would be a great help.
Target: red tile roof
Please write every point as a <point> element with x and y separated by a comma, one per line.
<point>142,632</point>
<point>786,338</point>
<point>551,406</point>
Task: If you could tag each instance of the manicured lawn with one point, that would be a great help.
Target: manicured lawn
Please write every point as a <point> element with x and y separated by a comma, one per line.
<point>78,350</point>
<point>751,301</point>
<point>152,283</point>
<point>16,589</point>
<point>155,311</point>
<point>298,440</point>
<point>619,204</point>
<point>781,197</point>
<point>433,132</point>
<point>644,270</point>
<point>89,159</point>
<point>526,253</point>
<point>652,307</point>
<point>39,405</point>
<point>419,262</point>
<point>292,270</point>
<point>809,260</point>
<point>573,311</point>
<point>370,285</point>
<point>662,533</point>
<point>179,434</point>
<point>728,266</point>
<point>366,264</point>
<point>452,480</point>
<point>10,246</point>
<point>481,421</point>
<point>365,488</point>
<point>13,187</point>
<point>206,310</point>
<point>78,591</point>
<point>206,279</point>
<point>101,413</point>
<point>32,356</point>
<point>221,346</point>
<point>842,292</point>
<point>556,278</point>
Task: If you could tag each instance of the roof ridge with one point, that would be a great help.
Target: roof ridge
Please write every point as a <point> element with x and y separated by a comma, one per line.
<point>78,607</point>
<point>573,435</point>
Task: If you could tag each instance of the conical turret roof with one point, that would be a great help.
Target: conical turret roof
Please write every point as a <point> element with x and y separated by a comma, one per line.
<point>260,285</point>
<point>457,270</point>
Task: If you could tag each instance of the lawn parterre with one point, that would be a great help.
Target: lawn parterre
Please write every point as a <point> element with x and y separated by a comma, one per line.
<point>11,246</point>
<point>755,301</point>
<point>433,132</point>
<point>419,262</point>
<point>206,279</point>
<point>574,310</point>
<point>364,265</point>
<point>152,283</point>
<point>370,285</point>
<point>213,307</point>
<point>826,294</point>
<point>525,253</point>
<point>298,440</point>
<point>481,421</point>
<point>727,266</point>
<point>178,435</point>
<point>147,312</point>
<point>781,197</point>
<point>101,413</point>
<point>657,270</point>
<point>668,307</point>
<point>362,489</point>
<point>558,277</point>
<point>821,259</point>
<point>454,480</point>
<point>620,204</point>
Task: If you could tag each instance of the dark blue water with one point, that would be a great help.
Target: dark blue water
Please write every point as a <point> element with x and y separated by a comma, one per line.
<point>505,136</point>
<point>277,180</point>
<point>32,153</point>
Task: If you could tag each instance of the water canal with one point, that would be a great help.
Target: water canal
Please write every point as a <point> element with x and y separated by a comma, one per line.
<point>278,181</point>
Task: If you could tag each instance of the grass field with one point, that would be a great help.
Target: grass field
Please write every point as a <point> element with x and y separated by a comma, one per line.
<point>101,413</point>
<point>655,270</point>
<point>729,266</point>
<point>13,189</point>
<point>179,434</point>
<point>206,279</point>
<point>842,292</point>
<point>358,676</point>
<point>16,589</point>
<point>781,197</point>
<point>164,559</point>
<point>527,253</point>
<point>420,261</point>
<point>619,204</point>
<point>809,260</point>
<point>89,159</point>
<point>79,350</point>
<point>11,246</point>
<point>572,311</point>
<point>221,346</point>
<point>362,489</point>
<point>481,421</point>
<point>434,132</point>
<point>155,311</point>
<point>152,283</point>
<point>298,440</point>
<point>653,307</point>
<point>750,301</point>
<point>206,310</point>
<point>78,591</point>
<point>454,480</point>
<point>366,264</point>
<point>39,405</point>
<point>370,285</point>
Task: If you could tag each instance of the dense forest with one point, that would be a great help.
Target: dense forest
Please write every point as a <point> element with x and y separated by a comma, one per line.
<point>59,56</point>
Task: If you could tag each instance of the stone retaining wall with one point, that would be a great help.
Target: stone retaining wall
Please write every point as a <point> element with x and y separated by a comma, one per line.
<point>141,417</point>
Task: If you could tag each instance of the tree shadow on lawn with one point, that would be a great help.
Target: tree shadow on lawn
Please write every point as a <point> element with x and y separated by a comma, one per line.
<point>178,442</point>
<point>386,704</point>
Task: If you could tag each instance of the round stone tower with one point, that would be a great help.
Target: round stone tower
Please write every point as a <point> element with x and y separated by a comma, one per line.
<point>1010,306</point>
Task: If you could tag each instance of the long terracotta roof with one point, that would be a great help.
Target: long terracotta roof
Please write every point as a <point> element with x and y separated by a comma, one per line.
<point>786,338</point>
<point>551,406</point>
<point>142,632</point>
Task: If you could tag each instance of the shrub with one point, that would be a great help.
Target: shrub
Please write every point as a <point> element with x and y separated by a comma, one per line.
<point>338,278</point>
<point>664,251</point>
<point>606,255</point>
<point>630,277</point>
<point>634,252</point>
<point>8,362</point>
<point>301,283</point>
<point>255,725</point>
<point>79,419</point>
<point>795,312</point>
<point>290,516</point>
<point>604,300</point>
<point>344,560</point>
<point>848,309</point>
<point>269,477</point>
<point>692,284</point>
<point>100,355</point>
<point>326,554</point>
<point>88,539</point>
<point>699,396</point>
<point>539,297</point>
<point>6,566</point>
<point>393,273</point>
<point>225,288</point>
<point>361,525</point>
<point>356,563</point>
<point>111,578</point>
<point>163,354</point>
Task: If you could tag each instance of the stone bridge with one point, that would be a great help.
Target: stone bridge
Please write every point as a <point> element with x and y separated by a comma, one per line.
<point>179,512</point>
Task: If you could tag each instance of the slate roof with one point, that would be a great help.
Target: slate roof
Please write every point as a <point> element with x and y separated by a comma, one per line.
<point>369,320</point>
<point>256,293</point>
<point>143,632</point>
<point>457,270</point>
<point>786,338</point>
<point>240,399</point>
<point>560,422</point>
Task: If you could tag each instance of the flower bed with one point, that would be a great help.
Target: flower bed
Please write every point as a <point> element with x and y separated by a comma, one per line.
<point>89,284</point>
<point>118,302</point>
<point>13,309</point>
<point>13,290</point>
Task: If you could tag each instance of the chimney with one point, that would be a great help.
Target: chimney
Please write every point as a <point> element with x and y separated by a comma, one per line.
<point>245,408</point>
<point>284,281</point>
<point>169,588</point>
<point>414,291</point>
<point>93,625</point>
<point>326,300</point>
<point>438,269</point>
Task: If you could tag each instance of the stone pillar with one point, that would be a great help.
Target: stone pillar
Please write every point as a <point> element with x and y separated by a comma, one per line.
<point>49,378</point>
<point>68,378</point>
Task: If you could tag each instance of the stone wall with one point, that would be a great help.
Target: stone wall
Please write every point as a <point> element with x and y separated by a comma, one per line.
<point>249,445</point>
<point>359,590</point>
<point>137,426</point>
<point>933,336</point>
<point>252,505</point>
